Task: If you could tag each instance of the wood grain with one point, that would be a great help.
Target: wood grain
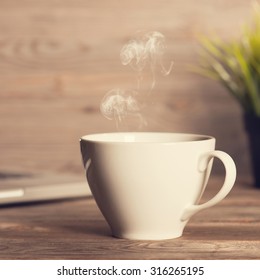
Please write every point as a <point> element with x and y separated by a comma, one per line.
<point>58,59</point>
<point>76,230</point>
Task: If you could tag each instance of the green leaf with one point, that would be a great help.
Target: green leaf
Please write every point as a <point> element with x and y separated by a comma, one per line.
<point>235,64</point>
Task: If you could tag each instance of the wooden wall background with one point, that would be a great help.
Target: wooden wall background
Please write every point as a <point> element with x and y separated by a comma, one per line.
<point>59,58</point>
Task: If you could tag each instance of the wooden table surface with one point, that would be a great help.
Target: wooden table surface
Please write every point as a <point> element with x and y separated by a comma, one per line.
<point>75,229</point>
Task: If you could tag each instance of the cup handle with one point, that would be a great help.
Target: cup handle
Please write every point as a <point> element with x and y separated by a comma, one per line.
<point>230,169</point>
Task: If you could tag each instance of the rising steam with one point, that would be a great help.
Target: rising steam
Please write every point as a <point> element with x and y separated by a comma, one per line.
<point>143,53</point>
<point>118,104</point>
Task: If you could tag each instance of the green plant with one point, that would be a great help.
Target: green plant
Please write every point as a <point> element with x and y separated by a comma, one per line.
<point>236,64</point>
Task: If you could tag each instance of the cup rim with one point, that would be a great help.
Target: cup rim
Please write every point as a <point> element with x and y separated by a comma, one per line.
<point>148,138</point>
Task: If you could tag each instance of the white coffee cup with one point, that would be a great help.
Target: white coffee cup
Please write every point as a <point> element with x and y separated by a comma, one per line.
<point>148,185</point>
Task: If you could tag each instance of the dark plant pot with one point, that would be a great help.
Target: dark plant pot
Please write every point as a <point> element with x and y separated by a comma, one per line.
<point>252,125</point>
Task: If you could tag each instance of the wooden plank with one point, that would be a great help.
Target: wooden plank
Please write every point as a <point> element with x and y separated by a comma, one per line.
<point>57,62</point>
<point>42,134</point>
<point>77,230</point>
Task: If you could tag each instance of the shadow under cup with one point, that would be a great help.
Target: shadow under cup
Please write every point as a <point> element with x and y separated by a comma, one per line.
<point>148,185</point>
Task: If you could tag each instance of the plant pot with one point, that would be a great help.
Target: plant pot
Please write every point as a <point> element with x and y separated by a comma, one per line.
<point>252,125</point>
